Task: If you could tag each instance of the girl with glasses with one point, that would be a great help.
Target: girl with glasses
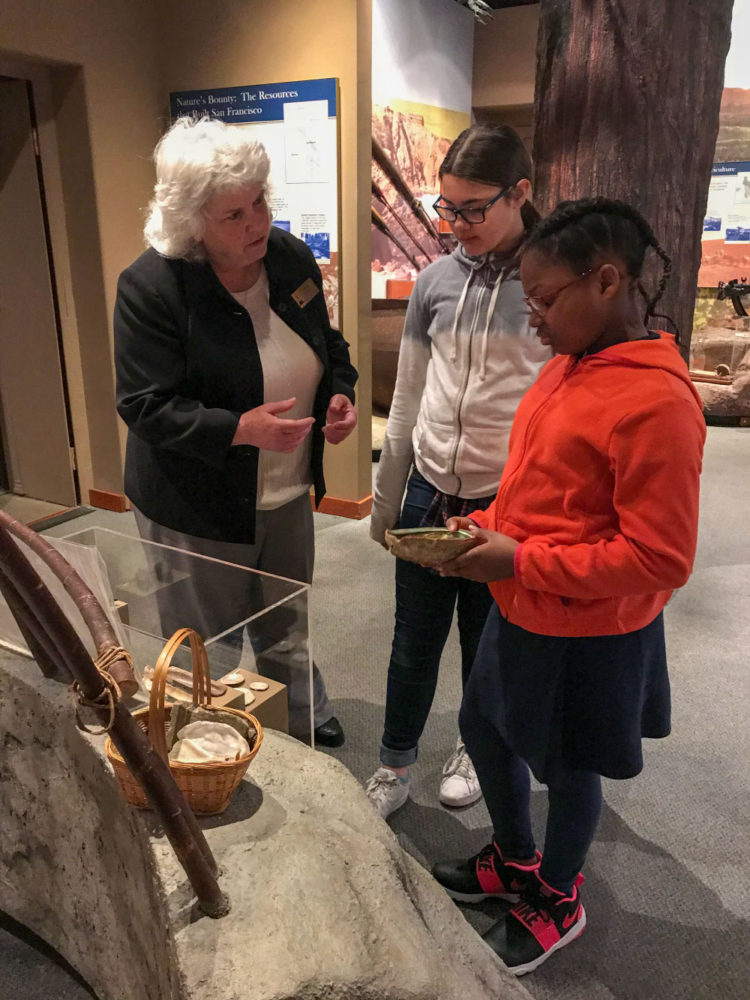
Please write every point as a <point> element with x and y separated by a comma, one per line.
<point>467,357</point>
<point>593,526</point>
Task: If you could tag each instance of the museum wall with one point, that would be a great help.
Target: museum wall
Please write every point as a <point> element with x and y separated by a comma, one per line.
<point>422,52</point>
<point>229,43</point>
<point>98,66</point>
<point>422,57</point>
<point>505,58</point>
<point>114,44</point>
<point>110,68</point>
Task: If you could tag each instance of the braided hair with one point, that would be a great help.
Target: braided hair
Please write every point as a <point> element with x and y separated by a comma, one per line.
<point>577,231</point>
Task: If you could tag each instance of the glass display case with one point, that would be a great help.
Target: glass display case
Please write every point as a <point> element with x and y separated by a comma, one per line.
<point>257,634</point>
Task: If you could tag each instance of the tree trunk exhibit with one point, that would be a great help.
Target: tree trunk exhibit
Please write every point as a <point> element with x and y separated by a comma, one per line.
<point>627,106</point>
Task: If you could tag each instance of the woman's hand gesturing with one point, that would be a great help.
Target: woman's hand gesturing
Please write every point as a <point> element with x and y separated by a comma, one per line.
<point>263,428</point>
<point>341,419</point>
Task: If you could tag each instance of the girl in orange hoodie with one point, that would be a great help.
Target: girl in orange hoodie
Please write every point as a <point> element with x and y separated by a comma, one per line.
<point>593,526</point>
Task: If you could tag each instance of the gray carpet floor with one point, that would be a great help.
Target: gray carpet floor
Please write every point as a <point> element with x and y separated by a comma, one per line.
<point>667,888</point>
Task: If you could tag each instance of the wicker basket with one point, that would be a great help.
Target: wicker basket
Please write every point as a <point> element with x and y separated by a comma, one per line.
<point>207,787</point>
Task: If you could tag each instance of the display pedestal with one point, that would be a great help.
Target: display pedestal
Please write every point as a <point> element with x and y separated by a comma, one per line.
<point>270,706</point>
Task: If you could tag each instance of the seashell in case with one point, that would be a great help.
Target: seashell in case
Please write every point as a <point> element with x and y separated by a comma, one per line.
<point>429,546</point>
<point>233,679</point>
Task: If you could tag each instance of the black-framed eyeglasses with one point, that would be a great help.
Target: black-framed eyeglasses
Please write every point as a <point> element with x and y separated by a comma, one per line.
<point>472,216</point>
<point>541,306</point>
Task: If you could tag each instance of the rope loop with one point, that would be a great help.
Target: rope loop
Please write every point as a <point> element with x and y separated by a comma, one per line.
<point>109,696</point>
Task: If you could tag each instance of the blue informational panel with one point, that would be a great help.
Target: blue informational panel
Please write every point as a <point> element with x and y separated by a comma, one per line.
<point>728,209</point>
<point>297,123</point>
<point>252,104</point>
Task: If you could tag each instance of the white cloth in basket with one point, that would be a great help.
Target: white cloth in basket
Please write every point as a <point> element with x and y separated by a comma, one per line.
<point>202,742</point>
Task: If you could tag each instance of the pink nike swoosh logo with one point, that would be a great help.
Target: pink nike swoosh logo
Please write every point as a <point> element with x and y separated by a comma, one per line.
<point>568,921</point>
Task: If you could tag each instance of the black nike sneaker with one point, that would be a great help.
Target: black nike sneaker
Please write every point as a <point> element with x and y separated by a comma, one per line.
<point>485,876</point>
<point>542,921</point>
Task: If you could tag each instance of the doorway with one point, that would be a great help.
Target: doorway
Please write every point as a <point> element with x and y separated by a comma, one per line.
<point>36,441</point>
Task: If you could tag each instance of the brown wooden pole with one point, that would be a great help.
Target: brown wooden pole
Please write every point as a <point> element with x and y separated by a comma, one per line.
<point>379,222</point>
<point>380,195</point>
<point>146,765</point>
<point>96,620</point>
<point>627,106</point>
<point>394,176</point>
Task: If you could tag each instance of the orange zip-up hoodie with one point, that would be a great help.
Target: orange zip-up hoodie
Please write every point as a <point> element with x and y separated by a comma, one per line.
<point>601,488</point>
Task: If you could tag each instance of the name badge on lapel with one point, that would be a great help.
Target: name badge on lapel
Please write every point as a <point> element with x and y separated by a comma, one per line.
<point>305,293</point>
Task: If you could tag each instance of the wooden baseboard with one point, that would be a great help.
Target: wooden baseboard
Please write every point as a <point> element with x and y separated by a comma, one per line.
<point>356,509</point>
<point>117,502</point>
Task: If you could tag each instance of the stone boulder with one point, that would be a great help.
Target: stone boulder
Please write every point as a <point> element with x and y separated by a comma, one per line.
<point>325,904</point>
<point>731,400</point>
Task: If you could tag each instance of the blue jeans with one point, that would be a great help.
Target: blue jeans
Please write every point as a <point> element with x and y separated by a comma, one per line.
<point>425,603</point>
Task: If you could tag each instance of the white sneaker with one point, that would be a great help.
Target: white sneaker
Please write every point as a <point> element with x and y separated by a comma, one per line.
<point>387,791</point>
<point>459,785</point>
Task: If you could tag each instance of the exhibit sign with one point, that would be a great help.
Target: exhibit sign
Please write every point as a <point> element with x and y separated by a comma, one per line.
<point>726,228</point>
<point>728,210</point>
<point>297,122</point>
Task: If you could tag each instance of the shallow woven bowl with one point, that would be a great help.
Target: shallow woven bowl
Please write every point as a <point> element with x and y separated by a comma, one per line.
<point>428,546</point>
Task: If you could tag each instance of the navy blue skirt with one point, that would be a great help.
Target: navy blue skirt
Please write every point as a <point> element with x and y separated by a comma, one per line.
<point>587,699</point>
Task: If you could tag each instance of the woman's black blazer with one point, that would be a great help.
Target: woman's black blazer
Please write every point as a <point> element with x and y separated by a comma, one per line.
<point>187,366</point>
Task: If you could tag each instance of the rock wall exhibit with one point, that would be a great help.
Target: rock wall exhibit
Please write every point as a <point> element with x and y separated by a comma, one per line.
<point>324,902</point>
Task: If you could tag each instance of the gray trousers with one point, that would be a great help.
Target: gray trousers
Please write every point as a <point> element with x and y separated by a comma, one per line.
<point>284,546</point>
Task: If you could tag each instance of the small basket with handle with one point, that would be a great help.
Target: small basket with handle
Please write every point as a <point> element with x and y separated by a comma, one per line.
<point>208,787</point>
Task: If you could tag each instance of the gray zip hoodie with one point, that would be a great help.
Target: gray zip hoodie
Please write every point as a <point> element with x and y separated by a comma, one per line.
<point>467,357</point>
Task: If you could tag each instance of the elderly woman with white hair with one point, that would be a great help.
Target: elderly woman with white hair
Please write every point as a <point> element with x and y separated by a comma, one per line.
<point>230,379</point>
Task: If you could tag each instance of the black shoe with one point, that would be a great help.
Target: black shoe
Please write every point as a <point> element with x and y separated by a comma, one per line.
<point>330,734</point>
<point>485,876</point>
<point>542,921</point>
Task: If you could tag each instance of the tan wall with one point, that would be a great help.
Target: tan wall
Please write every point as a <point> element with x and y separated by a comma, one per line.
<point>505,58</point>
<point>94,71</point>
<point>109,68</point>
<point>228,43</point>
